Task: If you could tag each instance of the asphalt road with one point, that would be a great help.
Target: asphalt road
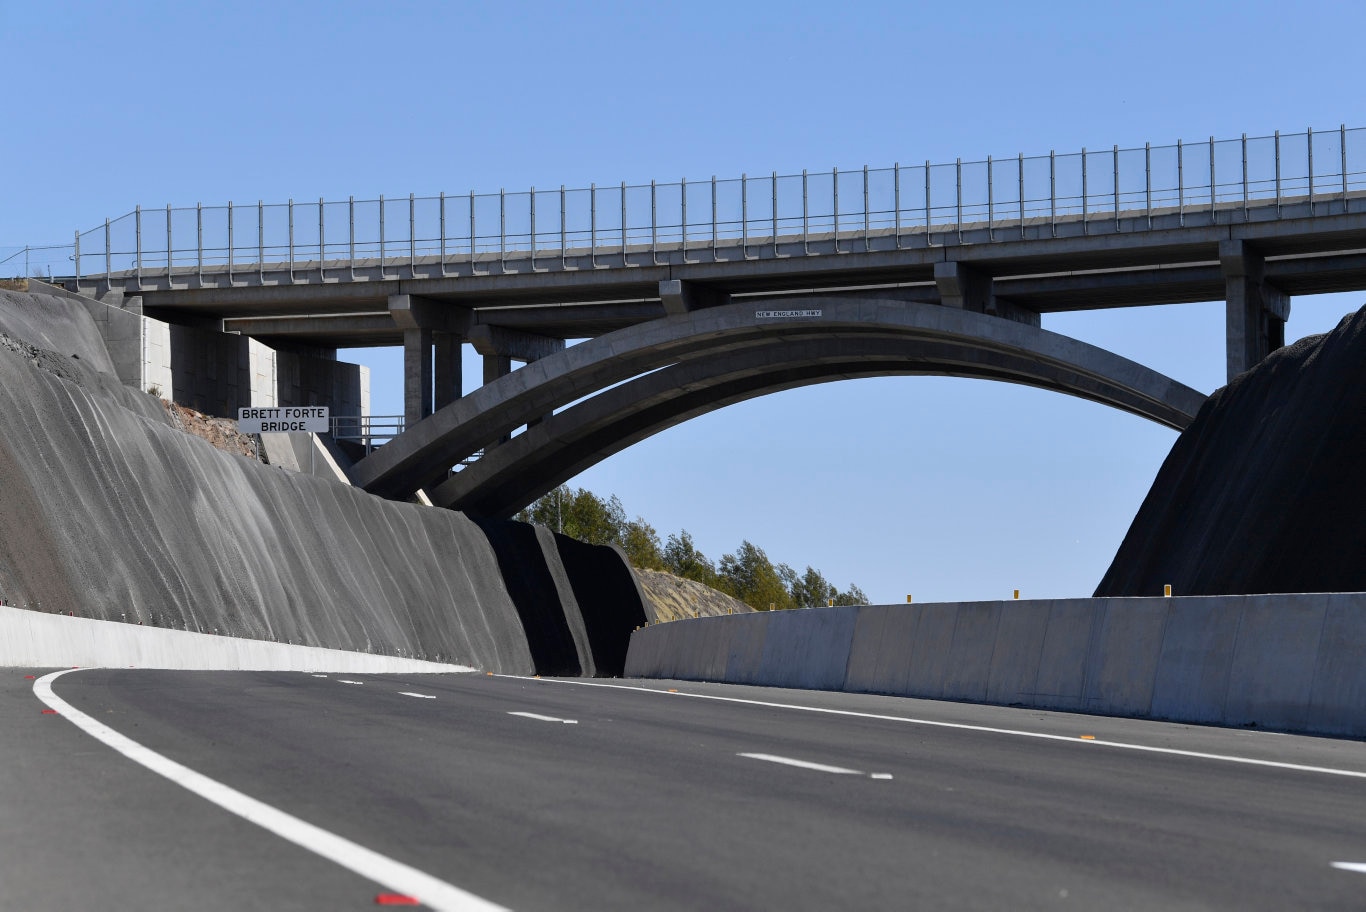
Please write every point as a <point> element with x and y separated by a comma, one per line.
<point>647,799</point>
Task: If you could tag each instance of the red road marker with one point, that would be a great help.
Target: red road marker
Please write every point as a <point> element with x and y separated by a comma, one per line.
<point>49,712</point>
<point>396,899</point>
<point>28,677</point>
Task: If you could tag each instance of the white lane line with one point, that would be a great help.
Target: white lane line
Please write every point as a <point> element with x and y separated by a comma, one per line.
<point>343,681</point>
<point>317,676</point>
<point>419,696</point>
<point>1356,866</point>
<point>540,718</point>
<point>818,767</point>
<point>803,764</point>
<point>381,869</point>
<point>963,726</point>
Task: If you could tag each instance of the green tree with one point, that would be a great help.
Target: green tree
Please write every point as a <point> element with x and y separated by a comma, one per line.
<point>811,590</point>
<point>681,558</point>
<point>640,541</point>
<point>750,576</point>
<point>852,596</point>
<point>581,514</point>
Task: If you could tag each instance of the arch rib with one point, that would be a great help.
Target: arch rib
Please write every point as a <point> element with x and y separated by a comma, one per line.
<point>734,350</point>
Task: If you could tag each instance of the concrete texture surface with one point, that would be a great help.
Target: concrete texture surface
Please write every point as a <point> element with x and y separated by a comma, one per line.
<point>1282,662</point>
<point>107,512</point>
<point>735,339</point>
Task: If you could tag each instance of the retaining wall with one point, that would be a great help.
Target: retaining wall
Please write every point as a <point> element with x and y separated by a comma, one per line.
<point>1285,662</point>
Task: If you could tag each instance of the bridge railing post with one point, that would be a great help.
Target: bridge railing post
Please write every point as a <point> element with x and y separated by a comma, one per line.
<point>958,198</point>
<point>896,201</point>
<point>441,255</point>
<point>1309,149</point>
<point>169,246</point>
<point>1084,228</point>
<point>1278,174</point>
<point>1022,196</point>
<point>230,243</point>
<point>593,225</point>
<point>1342,148</point>
<point>744,216</point>
<point>1116,154</point>
<point>533,229</point>
<point>1180,186</point>
<point>1148,182</point>
<point>835,204</point>
<point>806,226</point>
<point>108,269</point>
<point>991,201</point>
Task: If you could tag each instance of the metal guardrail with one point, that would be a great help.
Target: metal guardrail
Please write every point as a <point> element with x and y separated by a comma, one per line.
<point>598,221</point>
<point>367,430</point>
<point>371,431</point>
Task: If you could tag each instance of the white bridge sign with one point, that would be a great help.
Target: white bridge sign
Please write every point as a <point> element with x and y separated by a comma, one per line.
<point>313,419</point>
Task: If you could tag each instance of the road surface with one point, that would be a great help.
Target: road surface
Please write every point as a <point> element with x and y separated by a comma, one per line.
<point>536,794</point>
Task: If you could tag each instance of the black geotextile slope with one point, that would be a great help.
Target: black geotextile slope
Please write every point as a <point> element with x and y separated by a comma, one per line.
<point>608,598</point>
<point>1266,490</point>
<point>532,588</point>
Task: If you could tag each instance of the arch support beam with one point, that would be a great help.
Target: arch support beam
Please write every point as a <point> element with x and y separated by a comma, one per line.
<point>424,453</point>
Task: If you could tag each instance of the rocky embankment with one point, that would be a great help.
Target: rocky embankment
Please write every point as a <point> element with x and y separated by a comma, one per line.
<point>108,510</point>
<point>1265,491</point>
<point>672,598</point>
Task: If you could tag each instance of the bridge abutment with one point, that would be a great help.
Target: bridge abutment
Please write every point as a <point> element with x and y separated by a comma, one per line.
<point>1255,310</point>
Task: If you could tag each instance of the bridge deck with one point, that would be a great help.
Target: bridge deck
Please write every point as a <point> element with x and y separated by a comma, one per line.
<point>1071,262</point>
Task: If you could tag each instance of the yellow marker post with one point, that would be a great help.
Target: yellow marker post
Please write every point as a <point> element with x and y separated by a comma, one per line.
<point>908,600</point>
<point>1017,593</point>
<point>1167,590</point>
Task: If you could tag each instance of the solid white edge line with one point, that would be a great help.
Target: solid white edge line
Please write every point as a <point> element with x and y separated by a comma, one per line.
<point>540,718</point>
<point>803,764</point>
<point>963,726</point>
<point>1356,866</point>
<point>395,875</point>
<point>406,693</point>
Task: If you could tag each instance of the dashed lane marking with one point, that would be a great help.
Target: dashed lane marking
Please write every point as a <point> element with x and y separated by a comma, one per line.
<point>389,873</point>
<point>343,681</point>
<point>1356,866</point>
<point>964,726</point>
<point>817,767</point>
<point>405,693</point>
<point>540,718</point>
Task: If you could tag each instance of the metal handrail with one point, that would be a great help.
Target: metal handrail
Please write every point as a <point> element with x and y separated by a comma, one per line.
<point>756,213</point>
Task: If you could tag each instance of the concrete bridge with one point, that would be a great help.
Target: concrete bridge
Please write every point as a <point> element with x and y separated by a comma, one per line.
<point>731,289</point>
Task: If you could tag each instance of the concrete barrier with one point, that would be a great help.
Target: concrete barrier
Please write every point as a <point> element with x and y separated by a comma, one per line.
<point>32,639</point>
<point>1284,662</point>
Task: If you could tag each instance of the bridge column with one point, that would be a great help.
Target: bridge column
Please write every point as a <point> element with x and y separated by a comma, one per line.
<point>417,375</point>
<point>967,289</point>
<point>680,297</point>
<point>500,346</point>
<point>448,369</point>
<point>425,322</point>
<point>1255,311</point>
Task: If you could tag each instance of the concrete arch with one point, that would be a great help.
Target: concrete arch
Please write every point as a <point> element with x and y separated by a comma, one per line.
<point>811,327</point>
<point>536,461</point>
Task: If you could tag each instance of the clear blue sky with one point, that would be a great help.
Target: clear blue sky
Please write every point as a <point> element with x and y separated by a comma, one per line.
<point>948,489</point>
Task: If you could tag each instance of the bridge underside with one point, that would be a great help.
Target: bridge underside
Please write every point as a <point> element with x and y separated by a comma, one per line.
<point>678,367</point>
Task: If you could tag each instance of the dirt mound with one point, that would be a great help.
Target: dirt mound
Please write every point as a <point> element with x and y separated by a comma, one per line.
<point>1265,491</point>
<point>672,598</point>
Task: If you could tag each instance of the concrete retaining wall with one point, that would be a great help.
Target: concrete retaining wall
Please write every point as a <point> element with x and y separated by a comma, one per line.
<point>1285,662</point>
<point>30,639</point>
